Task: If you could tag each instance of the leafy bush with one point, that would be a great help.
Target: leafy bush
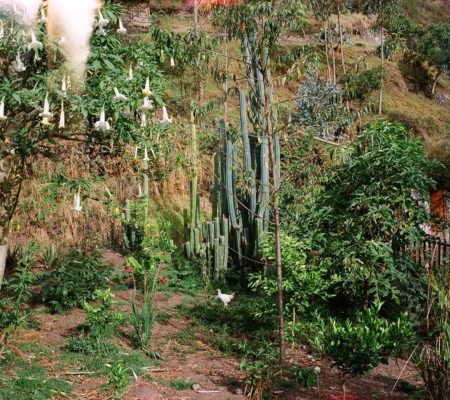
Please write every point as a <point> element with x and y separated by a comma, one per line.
<point>74,280</point>
<point>101,320</point>
<point>319,108</point>
<point>366,220</point>
<point>89,345</point>
<point>356,347</point>
<point>358,87</point>
<point>157,251</point>
<point>15,295</point>
<point>305,285</point>
<point>306,377</point>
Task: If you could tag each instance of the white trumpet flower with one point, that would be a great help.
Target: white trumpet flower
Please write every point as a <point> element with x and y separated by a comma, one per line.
<point>166,120</point>
<point>140,194</point>
<point>102,22</point>
<point>143,121</point>
<point>43,18</point>
<point>146,90</point>
<point>64,84</point>
<point>136,148</point>
<point>46,113</point>
<point>119,96</point>
<point>62,41</point>
<point>130,73</point>
<point>146,154</point>
<point>2,30</point>
<point>148,104</point>
<point>19,66</point>
<point>122,30</point>
<point>2,110</point>
<point>172,62</point>
<point>102,124</point>
<point>77,207</point>
<point>35,44</point>
<point>100,32</point>
<point>62,117</point>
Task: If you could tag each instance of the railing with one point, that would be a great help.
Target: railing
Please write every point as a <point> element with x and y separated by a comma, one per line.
<point>435,251</point>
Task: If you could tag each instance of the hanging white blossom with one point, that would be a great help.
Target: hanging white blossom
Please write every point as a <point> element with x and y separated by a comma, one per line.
<point>2,30</point>
<point>148,104</point>
<point>146,90</point>
<point>102,124</point>
<point>146,154</point>
<point>2,110</point>
<point>119,96</point>
<point>18,65</point>
<point>172,62</point>
<point>100,32</point>
<point>62,117</point>
<point>130,73</point>
<point>62,41</point>
<point>77,207</point>
<point>140,194</point>
<point>35,44</point>
<point>121,30</point>
<point>64,84</point>
<point>143,121</point>
<point>102,22</point>
<point>43,18</point>
<point>46,114</point>
<point>136,148</point>
<point>166,120</point>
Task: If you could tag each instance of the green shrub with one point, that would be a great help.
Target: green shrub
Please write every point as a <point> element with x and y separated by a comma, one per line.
<point>15,295</point>
<point>74,280</point>
<point>356,347</point>
<point>90,346</point>
<point>101,320</point>
<point>305,285</point>
<point>305,376</point>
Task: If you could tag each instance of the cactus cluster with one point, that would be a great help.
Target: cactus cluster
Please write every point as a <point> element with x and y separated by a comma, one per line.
<point>240,197</point>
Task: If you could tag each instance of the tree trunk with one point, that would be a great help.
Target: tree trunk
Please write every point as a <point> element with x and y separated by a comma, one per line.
<point>327,54</point>
<point>433,88</point>
<point>3,254</point>
<point>276,217</point>
<point>341,40</point>
<point>380,96</point>
<point>196,4</point>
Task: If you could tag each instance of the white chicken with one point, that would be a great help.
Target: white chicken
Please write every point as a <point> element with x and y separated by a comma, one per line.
<point>225,298</point>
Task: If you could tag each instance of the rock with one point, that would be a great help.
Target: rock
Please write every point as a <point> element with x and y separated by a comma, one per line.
<point>239,391</point>
<point>196,386</point>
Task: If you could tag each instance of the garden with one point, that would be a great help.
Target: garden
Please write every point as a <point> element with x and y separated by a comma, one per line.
<point>224,199</point>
